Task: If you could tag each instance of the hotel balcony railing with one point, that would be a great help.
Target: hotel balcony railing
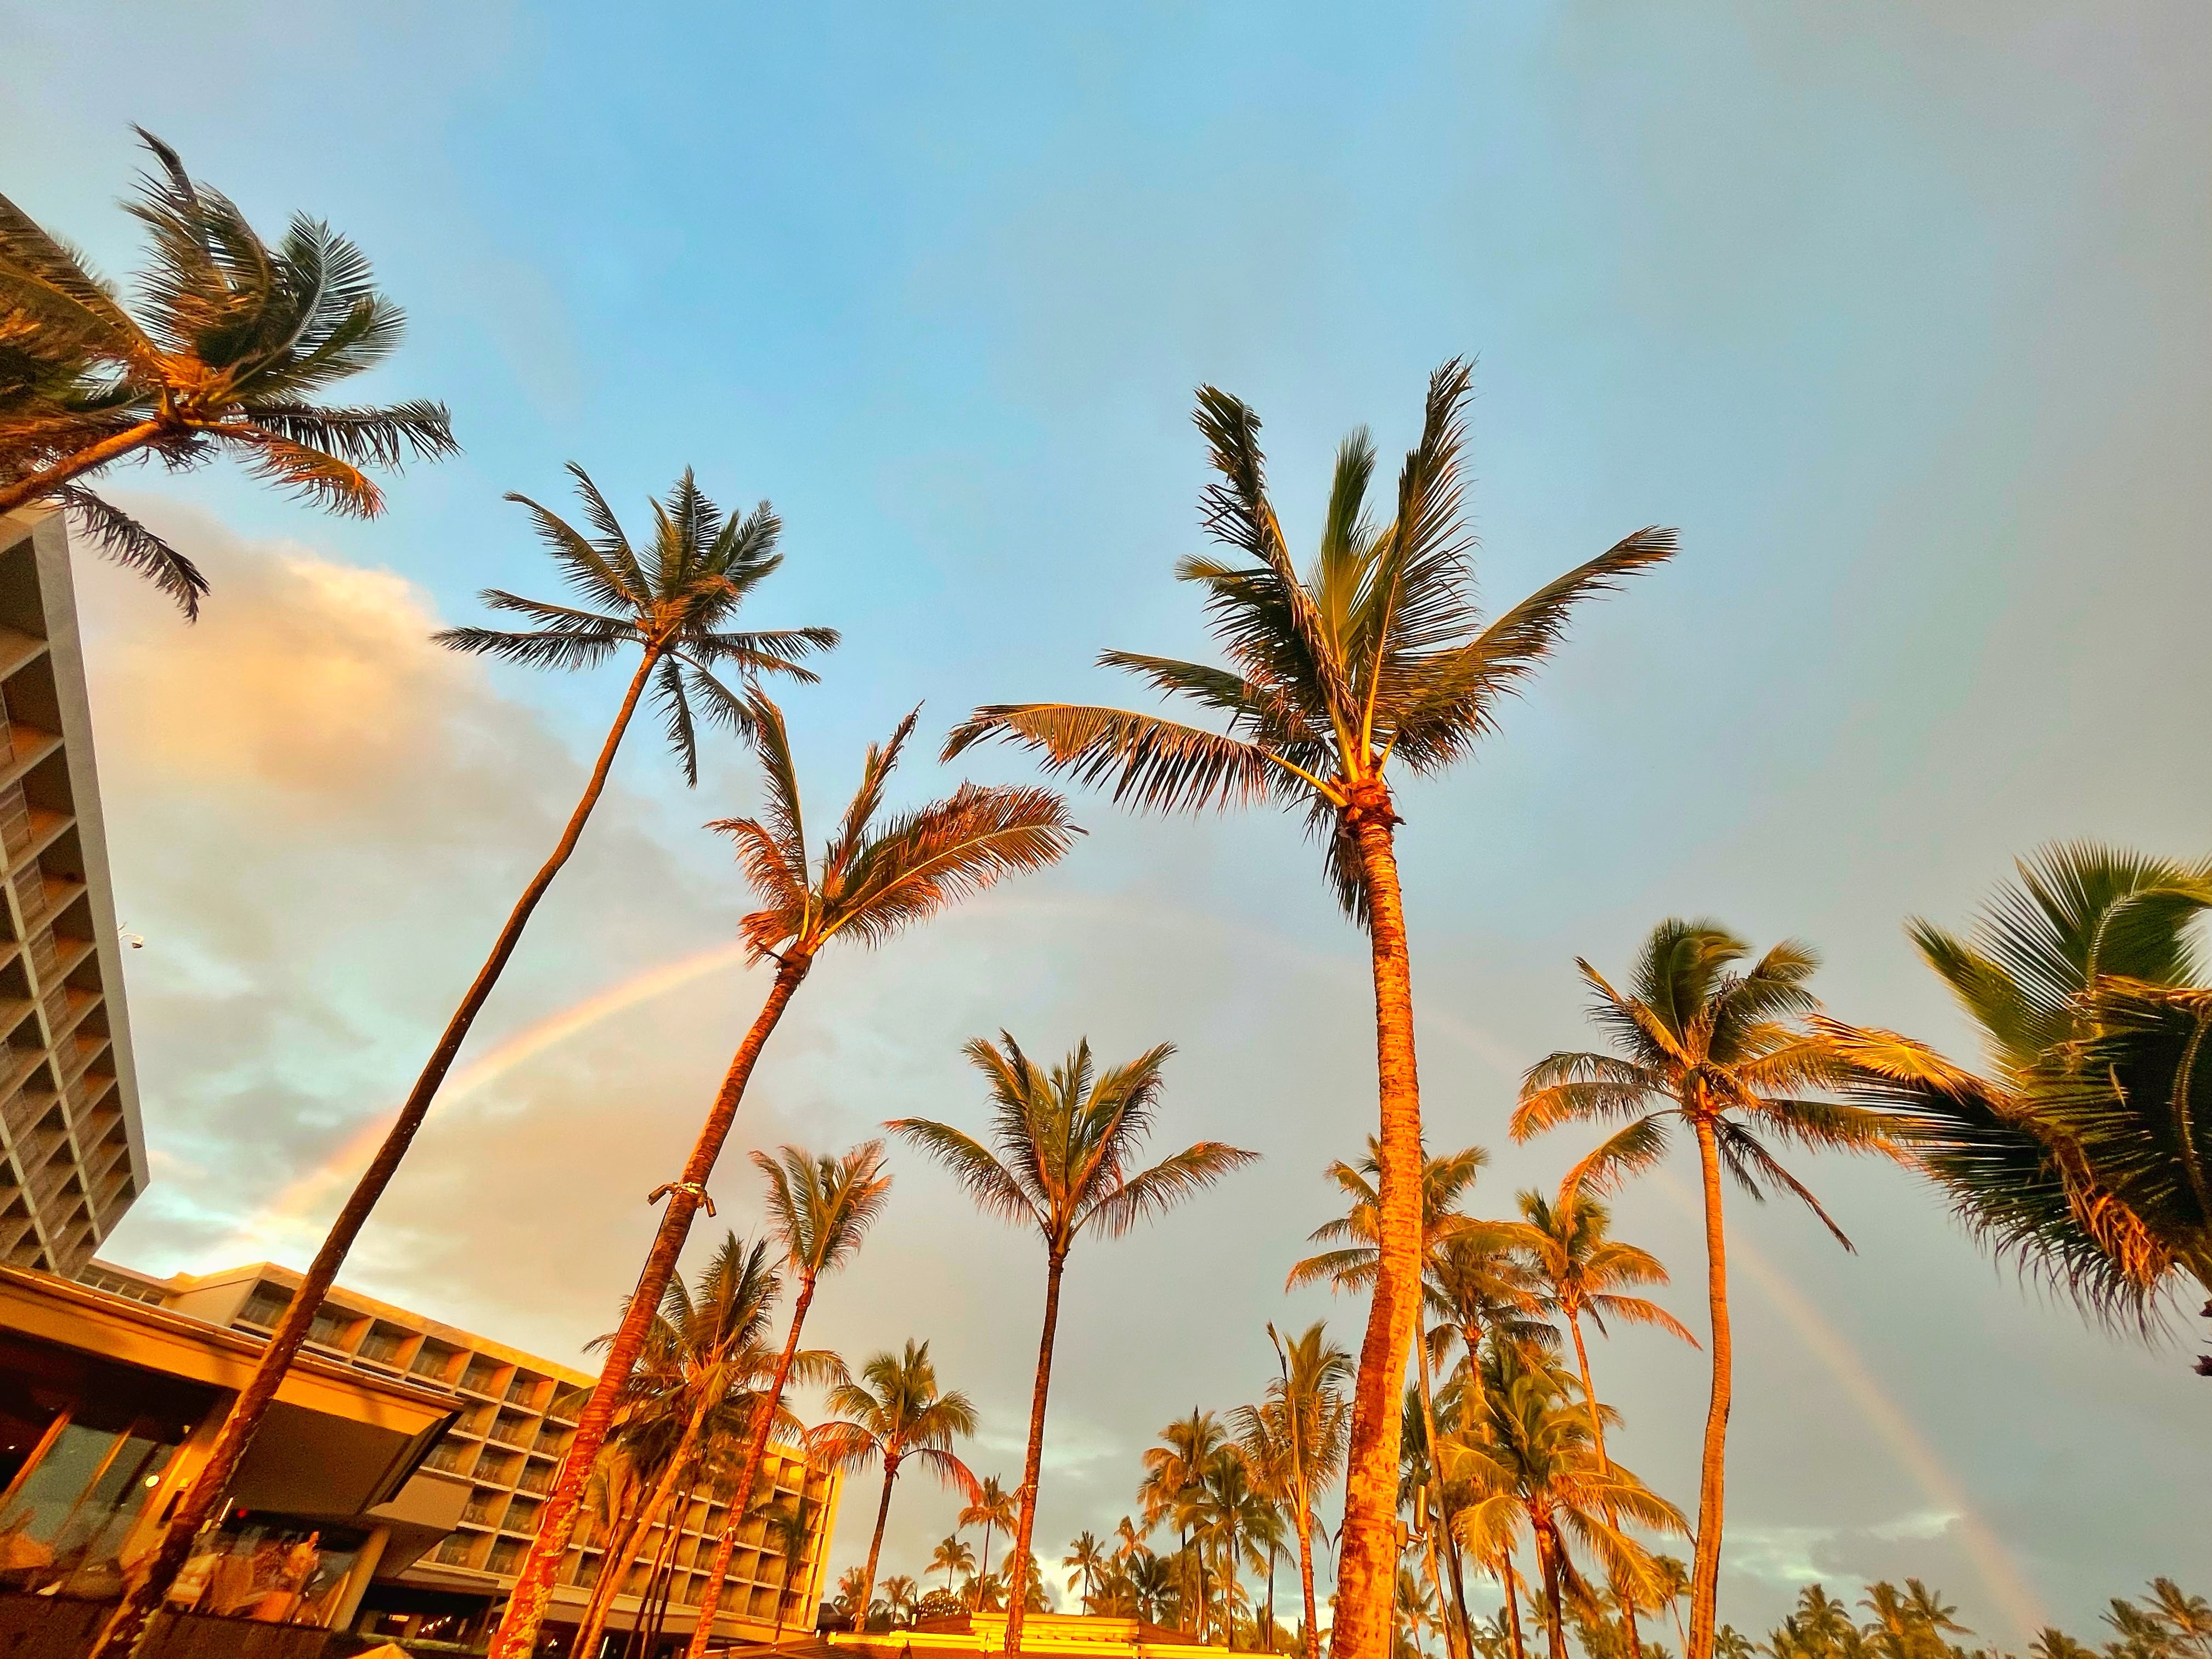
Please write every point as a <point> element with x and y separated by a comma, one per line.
<point>508,1431</point>
<point>483,1512</point>
<point>536,1478</point>
<point>449,1457</point>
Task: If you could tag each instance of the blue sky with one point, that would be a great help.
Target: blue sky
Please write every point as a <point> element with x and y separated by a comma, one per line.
<point>1897,312</point>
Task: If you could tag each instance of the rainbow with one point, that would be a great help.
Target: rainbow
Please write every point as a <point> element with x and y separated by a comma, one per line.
<point>308,1196</point>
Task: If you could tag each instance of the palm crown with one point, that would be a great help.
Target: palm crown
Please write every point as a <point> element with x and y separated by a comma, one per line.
<point>874,880</point>
<point>1718,1047</point>
<point>675,602</point>
<point>233,341</point>
<point>2082,1151</point>
<point>821,1207</point>
<point>1376,652</point>
<point>894,1413</point>
<point>1068,1139</point>
<point>1585,1269</point>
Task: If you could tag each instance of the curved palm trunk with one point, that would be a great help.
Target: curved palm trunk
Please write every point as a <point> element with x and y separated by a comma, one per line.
<point>601,1606</point>
<point>38,485</point>
<point>1306,1575</point>
<point>662,1552</point>
<point>1705,1569</point>
<point>1366,1554</point>
<point>710,1599</point>
<point>614,1562</point>
<point>1513,1608</point>
<point>876,1547</point>
<point>1025,1524</point>
<point>203,1501</point>
<point>517,1636</point>
<point>1436,1480</point>
<point>1604,1467</point>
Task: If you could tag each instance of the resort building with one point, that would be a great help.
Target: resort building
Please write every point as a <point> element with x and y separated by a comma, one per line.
<point>74,1154</point>
<point>514,1414</point>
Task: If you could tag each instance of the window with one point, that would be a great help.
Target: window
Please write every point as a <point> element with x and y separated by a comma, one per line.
<point>506,1557</point>
<point>266,1306</point>
<point>383,1345</point>
<point>272,1569</point>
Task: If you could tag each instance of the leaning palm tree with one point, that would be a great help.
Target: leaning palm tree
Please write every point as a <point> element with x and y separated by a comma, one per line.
<point>992,1508</point>
<point>872,881</point>
<point>894,1414</point>
<point>2081,1148</point>
<point>1294,1439</point>
<point>1719,1051</point>
<point>1066,1141</point>
<point>673,603</point>
<point>819,1208</point>
<point>233,343</point>
<point>1375,653</point>
<point>1173,1469</point>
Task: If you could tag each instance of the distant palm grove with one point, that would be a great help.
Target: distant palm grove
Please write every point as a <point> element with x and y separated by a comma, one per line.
<point>1440,1477</point>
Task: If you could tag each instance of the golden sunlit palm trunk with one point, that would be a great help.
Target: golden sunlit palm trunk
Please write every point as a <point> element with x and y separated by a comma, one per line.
<point>1032,1461</point>
<point>38,485</point>
<point>876,1547</point>
<point>1513,1608</point>
<point>1548,1547</point>
<point>1453,1633</point>
<point>517,1637</point>
<point>710,1599</point>
<point>1306,1574</point>
<point>663,1495</point>
<point>1367,1556</point>
<point>204,1500</point>
<point>1705,1569</point>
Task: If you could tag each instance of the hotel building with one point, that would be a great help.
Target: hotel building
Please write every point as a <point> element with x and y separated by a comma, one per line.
<point>74,1156</point>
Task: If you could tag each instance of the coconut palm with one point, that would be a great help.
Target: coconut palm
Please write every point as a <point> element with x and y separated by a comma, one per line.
<point>1173,1469</point>
<point>1719,1051</point>
<point>953,1556</point>
<point>1294,1439</point>
<point>1670,1582</point>
<point>900,1594</point>
<point>2081,1149</point>
<point>893,1415</point>
<point>819,1208</point>
<point>1533,1460</point>
<point>1152,1588</point>
<point>993,1507</point>
<point>1374,654</point>
<point>1569,1240</point>
<point>233,343</point>
<point>1067,1140</point>
<point>673,603</point>
<point>1087,1560</point>
<point>789,1527</point>
<point>872,882</point>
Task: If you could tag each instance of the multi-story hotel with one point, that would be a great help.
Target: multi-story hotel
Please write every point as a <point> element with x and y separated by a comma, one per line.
<point>517,1414</point>
<point>75,1156</point>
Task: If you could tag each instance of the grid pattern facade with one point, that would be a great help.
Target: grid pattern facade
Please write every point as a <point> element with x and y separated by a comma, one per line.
<point>70,1157</point>
<point>518,1416</point>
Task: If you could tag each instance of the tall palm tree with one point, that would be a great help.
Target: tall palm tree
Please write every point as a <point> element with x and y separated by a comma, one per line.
<point>1584,1268</point>
<point>992,1508</point>
<point>953,1556</point>
<point>1536,1462</point>
<point>1173,1470</point>
<point>2081,1149</point>
<point>1294,1439</point>
<point>1087,1558</point>
<point>819,1208</point>
<point>1446,1180</point>
<point>894,1414</point>
<point>1375,653</point>
<point>233,343</point>
<point>673,604</point>
<point>1068,1141</point>
<point>1719,1051</point>
<point>872,881</point>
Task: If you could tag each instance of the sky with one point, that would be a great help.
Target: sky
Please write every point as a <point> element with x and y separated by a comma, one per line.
<point>1896,311</point>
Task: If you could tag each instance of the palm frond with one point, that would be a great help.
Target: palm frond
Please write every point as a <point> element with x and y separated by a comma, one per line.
<point>987,1182</point>
<point>1161,765</point>
<point>1161,1187</point>
<point>131,544</point>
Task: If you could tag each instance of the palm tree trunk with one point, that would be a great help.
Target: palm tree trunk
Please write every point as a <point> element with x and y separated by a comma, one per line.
<point>1705,1569</point>
<point>204,1500</point>
<point>661,1551</point>
<point>1366,1557</point>
<point>1436,1480</point>
<point>1306,1577</point>
<point>517,1636</point>
<point>982,1576</point>
<point>1032,1461</point>
<point>665,1592</point>
<point>1589,1393</point>
<point>601,1604</point>
<point>1513,1607</point>
<point>38,485</point>
<point>1555,1624</point>
<point>710,1599</point>
<point>783,1584</point>
<point>875,1548</point>
<point>1459,1590</point>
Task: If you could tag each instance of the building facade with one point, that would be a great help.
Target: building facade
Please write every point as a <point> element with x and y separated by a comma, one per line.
<point>74,1153</point>
<point>515,1416</point>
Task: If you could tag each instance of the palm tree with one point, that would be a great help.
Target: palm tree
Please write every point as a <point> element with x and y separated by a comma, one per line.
<point>900,1592</point>
<point>1173,1470</point>
<point>233,344</point>
<point>2081,1149</point>
<point>1087,1558</point>
<point>951,1557</point>
<point>1376,653</point>
<point>819,1209</point>
<point>1152,1586</point>
<point>1294,1439</point>
<point>893,1414</point>
<point>1569,1240</point>
<point>673,604</point>
<point>1066,1140</point>
<point>872,882</point>
<point>790,1527</point>
<point>1721,1049</point>
<point>1536,1462</point>
<point>1670,1582</point>
<point>1353,1265</point>
<point>993,1507</point>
